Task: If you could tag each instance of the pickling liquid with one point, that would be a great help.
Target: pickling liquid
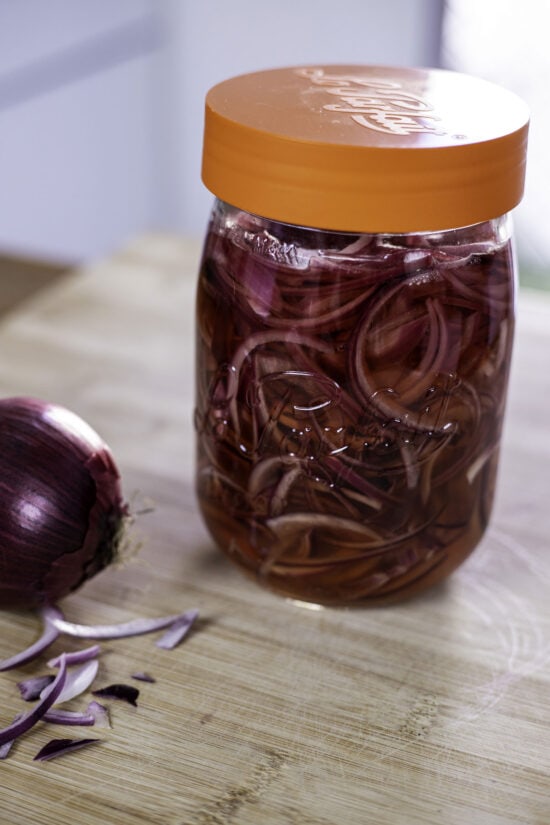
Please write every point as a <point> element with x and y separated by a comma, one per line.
<point>349,402</point>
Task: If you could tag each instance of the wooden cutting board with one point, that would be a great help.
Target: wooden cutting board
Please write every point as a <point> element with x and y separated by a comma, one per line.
<point>434,712</point>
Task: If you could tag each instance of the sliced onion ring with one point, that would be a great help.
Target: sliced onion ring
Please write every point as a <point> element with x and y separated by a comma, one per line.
<point>6,747</point>
<point>57,716</point>
<point>54,624</point>
<point>77,657</point>
<point>24,723</point>
<point>136,627</point>
<point>49,635</point>
<point>77,681</point>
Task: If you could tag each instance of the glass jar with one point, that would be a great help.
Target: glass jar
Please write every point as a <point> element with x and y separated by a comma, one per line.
<point>355,316</point>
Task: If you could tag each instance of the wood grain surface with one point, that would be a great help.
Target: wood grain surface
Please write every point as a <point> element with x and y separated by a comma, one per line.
<point>432,712</point>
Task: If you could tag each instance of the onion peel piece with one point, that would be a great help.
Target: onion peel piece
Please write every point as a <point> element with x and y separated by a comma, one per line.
<point>127,693</point>
<point>59,747</point>
<point>30,689</point>
<point>5,749</point>
<point>143,677</point>
<point>7,746</point>
<point>177,630</point>
<point>100,714</point>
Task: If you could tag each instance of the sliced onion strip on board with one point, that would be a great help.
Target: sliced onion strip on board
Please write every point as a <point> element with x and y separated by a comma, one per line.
<point>136,627</point>
<point>48,697</point>
<point>177,630</point>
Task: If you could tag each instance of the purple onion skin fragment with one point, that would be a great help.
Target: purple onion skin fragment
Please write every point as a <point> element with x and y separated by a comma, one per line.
<point>61,747</point>
<point>349,402</point>
<point>100,714</point>
<point>178,630</point>
<point>5,749</point>
<point>30,689</point>
<point>142,676</point>
<point>127,693</point>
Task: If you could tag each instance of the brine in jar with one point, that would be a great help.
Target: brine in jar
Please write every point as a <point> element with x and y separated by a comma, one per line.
<point>350,397</point>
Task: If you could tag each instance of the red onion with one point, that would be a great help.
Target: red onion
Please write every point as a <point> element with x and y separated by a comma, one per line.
<point>61,509</point>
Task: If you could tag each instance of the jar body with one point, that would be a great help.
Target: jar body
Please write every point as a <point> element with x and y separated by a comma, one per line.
<point>349,401</point>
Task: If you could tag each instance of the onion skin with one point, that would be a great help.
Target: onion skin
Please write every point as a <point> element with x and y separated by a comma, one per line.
<point>62,512</point>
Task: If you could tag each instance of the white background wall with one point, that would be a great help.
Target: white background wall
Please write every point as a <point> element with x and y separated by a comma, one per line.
<point>101,101</point>
<point>507,43</point>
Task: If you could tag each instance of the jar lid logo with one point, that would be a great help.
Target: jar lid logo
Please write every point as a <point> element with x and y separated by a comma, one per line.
<point>383,105</point>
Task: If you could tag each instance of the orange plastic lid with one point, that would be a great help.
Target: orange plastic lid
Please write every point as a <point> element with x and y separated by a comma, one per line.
<point>366,148</point>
